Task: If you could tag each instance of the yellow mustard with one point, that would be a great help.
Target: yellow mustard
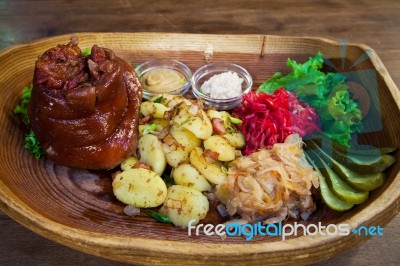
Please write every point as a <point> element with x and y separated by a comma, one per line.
<point>162,80</point>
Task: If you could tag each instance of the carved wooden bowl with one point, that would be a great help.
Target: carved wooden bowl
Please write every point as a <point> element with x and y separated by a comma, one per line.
<point>76,208</point>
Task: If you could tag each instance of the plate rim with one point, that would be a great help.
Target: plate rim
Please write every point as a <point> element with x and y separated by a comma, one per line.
<point>389,201</point>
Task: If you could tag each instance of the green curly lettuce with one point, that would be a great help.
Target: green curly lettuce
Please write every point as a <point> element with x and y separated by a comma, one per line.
<point>340,116</point>
<point>22,108</point>
<point>32,144</point>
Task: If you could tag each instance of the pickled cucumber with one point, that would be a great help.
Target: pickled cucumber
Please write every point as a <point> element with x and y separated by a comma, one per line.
<point>363,182</point>
<point>327,196</point>
<point>359,163</point>
<point>337,186</point>
<point>347,175</point>
<point>371,152</point>
<point>364,165</point>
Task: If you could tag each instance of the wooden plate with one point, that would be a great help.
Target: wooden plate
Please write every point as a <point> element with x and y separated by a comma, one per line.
<point>76,208</point>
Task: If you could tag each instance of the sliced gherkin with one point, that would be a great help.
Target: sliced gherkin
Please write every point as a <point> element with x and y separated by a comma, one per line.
<point>363,182</point>
<point>327,196</point>
<point>337,186</point>
<point>359,163</point>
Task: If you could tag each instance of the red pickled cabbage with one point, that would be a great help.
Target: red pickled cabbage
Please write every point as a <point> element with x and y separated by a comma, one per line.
<point>270,118</point>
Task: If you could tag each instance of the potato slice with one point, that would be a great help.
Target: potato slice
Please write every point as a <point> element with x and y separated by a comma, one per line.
<point>185,138</point>
<point>187,175</point>
<point>223,115</point>
<point>162,123</point>
<point>129,163</point>
<point>236,139</point>
<point>141,188</point>
<point>157,110</point>
<point>170,100</point>
<point>184,204</point>
<point>157,125</point>
<point>221,146</point>
<point>200,125</point>
<point>176,157</point>
<point>152,153</point>
<point>213,172</point>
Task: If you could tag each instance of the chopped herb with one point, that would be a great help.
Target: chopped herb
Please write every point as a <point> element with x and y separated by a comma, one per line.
<point>186,121</point>
<point>168,179</point>
<point>159,99</point>
<point>32,145</point>
<point>227,125</point>
<point>149,128</point>
<point>31,142</point>
<point>87,52</point>
<point>235,120</point>
<point>159,217</point>
<point>230,129</point>
<point>22,108</point>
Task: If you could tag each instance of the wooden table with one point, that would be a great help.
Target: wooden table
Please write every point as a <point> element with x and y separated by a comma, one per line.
<point>375,23</point>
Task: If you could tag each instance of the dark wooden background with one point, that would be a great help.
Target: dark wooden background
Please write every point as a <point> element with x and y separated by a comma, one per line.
<point>375,23</point>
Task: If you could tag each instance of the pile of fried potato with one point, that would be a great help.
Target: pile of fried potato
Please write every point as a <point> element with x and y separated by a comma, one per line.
<point>196,144</point>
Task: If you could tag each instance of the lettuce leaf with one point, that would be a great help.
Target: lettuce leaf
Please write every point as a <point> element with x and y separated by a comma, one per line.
<point>32,144</point>
<point>340,116</point>
<point>22,108</point>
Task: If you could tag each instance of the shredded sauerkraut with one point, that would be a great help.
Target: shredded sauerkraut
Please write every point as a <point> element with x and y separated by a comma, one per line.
<point>271,185</point>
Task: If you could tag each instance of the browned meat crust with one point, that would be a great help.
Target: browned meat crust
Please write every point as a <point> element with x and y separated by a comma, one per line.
<point>85,110</point>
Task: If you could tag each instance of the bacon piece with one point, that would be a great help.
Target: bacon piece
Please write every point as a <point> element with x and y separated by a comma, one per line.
<point>145,120</point>
<point>211,154</point>
<point>171,113</point>
<point>163,133</point>
<point>218,126</point>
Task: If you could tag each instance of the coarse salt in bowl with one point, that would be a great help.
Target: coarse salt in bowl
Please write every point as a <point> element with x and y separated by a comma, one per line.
<point>221,84</point>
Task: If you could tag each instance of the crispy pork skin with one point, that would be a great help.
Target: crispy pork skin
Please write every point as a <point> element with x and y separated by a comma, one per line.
<point>84,110</point>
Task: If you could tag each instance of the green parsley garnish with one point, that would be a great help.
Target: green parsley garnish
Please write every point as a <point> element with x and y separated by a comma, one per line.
<point>230,129</point>
<point>31,142</point>
<point>228,121</point>
<point>22,108</point>
<point>159,99</point>
<point>187,120</point>
<point>159,217</point>
<point>32,145</point>
<point>168,179</point>
<point>149,128</point>
<point>87,52</point>
<point>235,120</point>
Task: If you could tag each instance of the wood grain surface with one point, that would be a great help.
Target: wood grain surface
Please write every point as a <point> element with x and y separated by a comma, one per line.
<point>375,24</point>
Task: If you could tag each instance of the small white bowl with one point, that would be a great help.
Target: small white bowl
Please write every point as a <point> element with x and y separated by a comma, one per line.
<point>205,72</point>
